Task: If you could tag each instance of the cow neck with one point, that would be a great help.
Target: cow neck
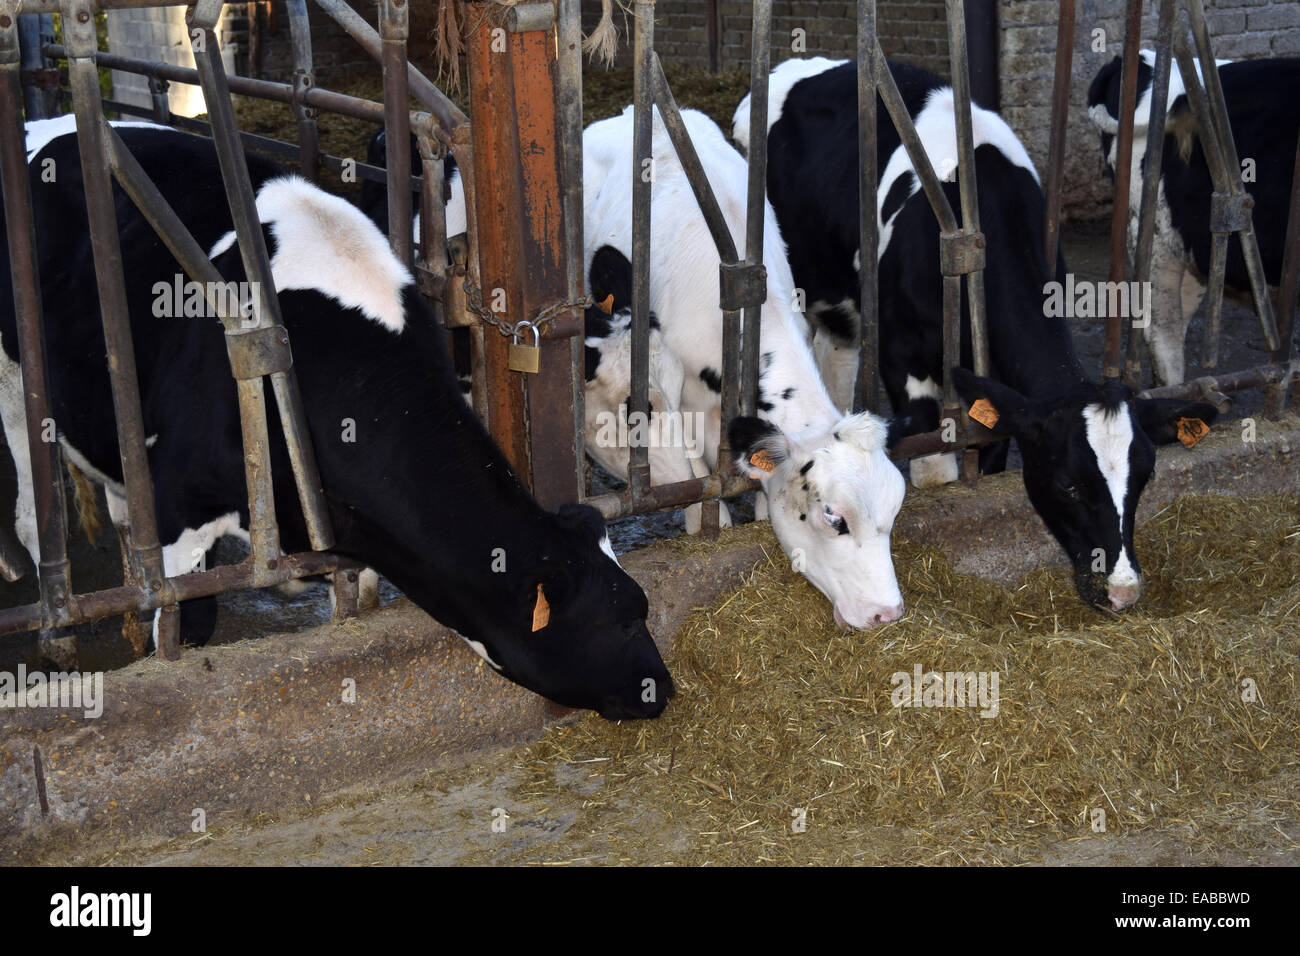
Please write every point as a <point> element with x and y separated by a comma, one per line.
<point>808,412</point>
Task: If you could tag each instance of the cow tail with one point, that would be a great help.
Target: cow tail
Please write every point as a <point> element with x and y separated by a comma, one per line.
<point>87,506</point>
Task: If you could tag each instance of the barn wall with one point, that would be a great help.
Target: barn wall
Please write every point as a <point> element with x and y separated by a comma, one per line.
<point>160,34</point>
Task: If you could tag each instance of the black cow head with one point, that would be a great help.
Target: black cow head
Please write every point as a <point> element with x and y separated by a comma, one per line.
<point>577,631</point>
<point>1088,454</point>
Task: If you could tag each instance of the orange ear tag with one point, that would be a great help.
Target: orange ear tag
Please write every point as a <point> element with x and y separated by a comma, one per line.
<point>607,306</point>
<point>1191,430</point>
<point>541,610</point>
<point>763,461</point>
<point>984,413</point>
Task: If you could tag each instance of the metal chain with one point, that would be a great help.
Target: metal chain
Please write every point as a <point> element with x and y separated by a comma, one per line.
<point>474,302</point>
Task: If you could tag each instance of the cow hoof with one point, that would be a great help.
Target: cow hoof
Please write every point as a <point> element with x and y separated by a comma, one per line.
<point>930,471</point>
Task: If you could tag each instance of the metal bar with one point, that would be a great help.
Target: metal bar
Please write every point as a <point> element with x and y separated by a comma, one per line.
<point>1151,164</point>
<point>185,587</point>
<point>448,114</point>
<point>643,95</point>
<point>1246,235</point>
<point>79,34</point>
<point>544,243</point>
<point>1123,181</point>
<point>756,202</point>
<point>569,85</point>
<point>866,391</point>
<point>393,30</point>
<point>970,207</point>
<point>263,532</point>
<point>161,109</point>
<point>29,45</point>
<point>55,6</point>
<point>1261,376</point>
<point>499,190</point>
<point>1056,142</point>
<point>713,37</point>
<point>304,79</point>
<point>1286,292</point>
<point>432,262</point>
<point>340,103</point>
<point>47,475</point>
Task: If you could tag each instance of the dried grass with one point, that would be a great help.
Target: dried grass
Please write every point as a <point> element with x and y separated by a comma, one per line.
<point>1140,715</point>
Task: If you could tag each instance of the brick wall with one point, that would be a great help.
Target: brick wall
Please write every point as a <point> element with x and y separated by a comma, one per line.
<point>160,34</point>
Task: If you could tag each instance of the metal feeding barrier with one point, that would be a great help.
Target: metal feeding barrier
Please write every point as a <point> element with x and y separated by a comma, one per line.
<point>255,352</point>
<point>1229,214</point>
<point>521,169</point>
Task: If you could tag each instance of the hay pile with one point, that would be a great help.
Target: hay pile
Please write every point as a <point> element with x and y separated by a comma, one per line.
<point>1141,716</point>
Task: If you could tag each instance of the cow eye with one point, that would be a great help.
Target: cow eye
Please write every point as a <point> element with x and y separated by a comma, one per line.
<point>837,522</point>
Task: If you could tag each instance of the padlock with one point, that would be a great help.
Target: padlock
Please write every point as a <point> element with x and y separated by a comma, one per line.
<point>525,358</point>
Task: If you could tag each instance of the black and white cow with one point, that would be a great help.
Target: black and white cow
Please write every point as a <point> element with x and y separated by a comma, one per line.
<point>414,485</point>
<point>1261,97</point>
<point>1087,448</point>
<point>831,489</point>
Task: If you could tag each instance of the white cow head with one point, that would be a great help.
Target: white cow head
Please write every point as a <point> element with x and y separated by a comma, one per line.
<point>832,500</point>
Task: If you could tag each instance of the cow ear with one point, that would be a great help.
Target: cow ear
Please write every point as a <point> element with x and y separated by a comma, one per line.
<point>760,447</point>
<point>583,519</point>
<point>1164,418</point>
<point>999,408</point>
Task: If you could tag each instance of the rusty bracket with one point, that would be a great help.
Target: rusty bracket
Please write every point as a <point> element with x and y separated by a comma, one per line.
<point>526,17</point>
<point>302,84</point>
<point>741,286</point>
<point>1230,212</point>
<point>259,352</point>
<point>394,22</point>
<point>961,253</point>
<point>41,78</point>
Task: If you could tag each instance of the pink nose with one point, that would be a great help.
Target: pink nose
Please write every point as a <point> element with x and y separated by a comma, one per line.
<point>1122,597</point>
<point>875,617</point>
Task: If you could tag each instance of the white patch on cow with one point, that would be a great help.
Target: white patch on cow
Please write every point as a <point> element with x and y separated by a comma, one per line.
<point>327,244</point>
<point>936,126</point>
<point>922,388</point>
<point>930,471</point>
<point>478,648</point>
<point>779,84</point>
<point>1110,435</point>
<point>182,555</point>
<point>14,414</point>
<point>41,132</point>
<point>222,244</point>
<point>608,549</point>
<point>457,223</point>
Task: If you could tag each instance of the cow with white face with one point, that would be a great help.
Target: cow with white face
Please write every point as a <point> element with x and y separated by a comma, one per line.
<point>833,516</point>
<point>1261,97</point>
<point>1087,448</point>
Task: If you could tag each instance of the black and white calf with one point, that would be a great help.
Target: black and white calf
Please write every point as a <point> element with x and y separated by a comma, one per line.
<point>1261,97</point>
<point>831,489</point>
<point>1087,448</point>
<point>414,486</point>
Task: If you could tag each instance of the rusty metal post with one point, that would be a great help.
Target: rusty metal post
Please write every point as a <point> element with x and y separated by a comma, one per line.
<point>643,90</point>
<point>866,392</point>
<point>760,55</point>
<point>1123,180</point>
<point>303,80</point>
<point>498,203</point>
<point>79,37</point>
<point>1056,143</point>
<point>47,474</point>
<point>393,30</point>
<point>1275,397</point>
<point>1150,181</point>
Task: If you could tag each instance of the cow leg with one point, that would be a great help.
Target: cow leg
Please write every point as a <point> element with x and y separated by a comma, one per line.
<point>1170,305</point>
<point>14,415</point>
<point>837,363</point>
<point>137,634</point>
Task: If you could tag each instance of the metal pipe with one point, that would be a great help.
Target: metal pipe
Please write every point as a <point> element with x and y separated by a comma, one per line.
<point>29,44</point>
<point>304,79</point>
<point>57,595</point>
<point>1151,165</point>
<point>756,201</point>
<point>393,30</point>
<point>1056,141</point>
<point>866,390</point>
<point>448,114</point>
<point>970,207</point>
<point>1123,180</point>
<point>643,95</point>
<point>340,103</point>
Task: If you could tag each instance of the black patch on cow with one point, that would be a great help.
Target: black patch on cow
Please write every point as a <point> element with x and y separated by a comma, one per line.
<point>788,394</point>
<point>711,378</point>
<point>803,517</point>
<point>839,321</point>
<point>610,274</point>
<point>764,404</point>
<point>807,467</point>
<point>898,194</point>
